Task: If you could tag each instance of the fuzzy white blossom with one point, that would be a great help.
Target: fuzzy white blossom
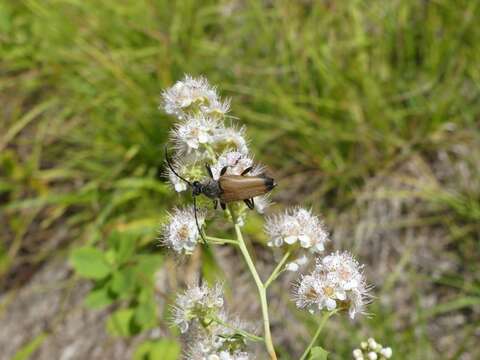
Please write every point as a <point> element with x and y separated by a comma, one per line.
<point>297,225</point>
<point>181,233</point>
<point>337,282</point>
<point>229,137</point>
<point>236,162</point>
<point>217,341</point>
<point>178,184</point>
<point>372,350</point>
<point>193,132</point>
<point>193,96</point>
<point>197,303</point>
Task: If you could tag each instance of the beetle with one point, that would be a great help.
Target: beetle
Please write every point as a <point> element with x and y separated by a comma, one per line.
<point>228,188</point>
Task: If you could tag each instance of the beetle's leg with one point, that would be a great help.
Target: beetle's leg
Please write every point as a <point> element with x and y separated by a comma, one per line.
<point>209,170</point>
<point>249,203</point>
<point>215,204</point>
<point>247,170</point>
<point>224,170</point>
<point>223,205</point>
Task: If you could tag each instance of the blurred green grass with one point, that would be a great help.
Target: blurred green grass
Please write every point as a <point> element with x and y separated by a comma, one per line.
<point>333,93</point>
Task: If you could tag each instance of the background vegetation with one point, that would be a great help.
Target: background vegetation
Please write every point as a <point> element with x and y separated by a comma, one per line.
<point>366,110</point>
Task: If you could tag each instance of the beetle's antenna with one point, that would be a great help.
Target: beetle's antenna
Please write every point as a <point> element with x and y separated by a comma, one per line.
<point>196,218</point>
<point>173,170</point>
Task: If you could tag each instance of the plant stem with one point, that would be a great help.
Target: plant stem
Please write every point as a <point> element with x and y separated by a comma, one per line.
<point>322,323</point>
<point>261,292</point>
<point>220,241</point>
<point>251,336</point>
<point>277,271</point>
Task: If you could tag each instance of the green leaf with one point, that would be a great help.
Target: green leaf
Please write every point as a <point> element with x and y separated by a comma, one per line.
<point>318,353</point>
<point>163,349</point>
<point>123,245</point>
<point>98,298</point>
<point>123,282</point>
<point>146,315</point>
<point>120,323</point>
<point>90,263</point>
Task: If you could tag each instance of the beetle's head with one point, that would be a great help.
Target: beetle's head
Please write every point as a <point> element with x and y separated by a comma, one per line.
<point>196,188</point>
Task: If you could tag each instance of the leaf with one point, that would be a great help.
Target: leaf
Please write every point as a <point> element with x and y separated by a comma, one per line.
<point>120,323</point>
<point>163,349</point>
<point>123,245</point>
<point>145,313</point>
<point>123,282</point>
<point>90,263</point>
<point>98,298</point>
<point>318,353</point>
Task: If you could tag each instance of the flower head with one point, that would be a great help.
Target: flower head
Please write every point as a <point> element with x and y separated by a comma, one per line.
<point>218,342</point>
<point>193,132</point>
<point>193,96</point>
<point>297,225</point>
<point>337,282</point>
<point>236,162</point>
<point>372,350</point>
<point>197,304</point>
<point>181,232</point>
<point>228,137</point>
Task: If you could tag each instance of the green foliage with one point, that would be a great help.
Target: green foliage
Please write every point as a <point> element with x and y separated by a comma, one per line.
<point>158,350</point>
<point>317,353</point>
<point>90,263</point>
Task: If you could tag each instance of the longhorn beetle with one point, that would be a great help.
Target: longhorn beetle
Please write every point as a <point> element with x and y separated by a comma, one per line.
<point>228,188</point>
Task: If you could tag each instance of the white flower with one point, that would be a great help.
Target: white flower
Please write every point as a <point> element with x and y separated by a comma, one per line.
<point>181,232</point>
<point>218,342</point>
<point>295,265</point>
<point>197,303</point>
<point>236,162</point>
<point>297,225</point>
<point>262,203</point>
<point>229,136</point>
<point>336,282</point>
<point>372,350</point>
<point>178,184</point>
<point>193,132</point>
<point>193,95</point>
<point>386,352</point>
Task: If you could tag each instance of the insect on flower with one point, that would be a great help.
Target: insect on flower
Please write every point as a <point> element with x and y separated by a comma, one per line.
<point>227,188</point>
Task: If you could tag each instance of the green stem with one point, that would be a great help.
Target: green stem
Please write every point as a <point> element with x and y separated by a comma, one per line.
<point>322,323</point>
<point>220,241</point>
<point>277,271</point>
<point>248,335</point>
<point>261,292</point>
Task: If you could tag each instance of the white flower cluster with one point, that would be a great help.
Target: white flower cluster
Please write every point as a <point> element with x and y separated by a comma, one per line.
<point>297,227</point>
<point>201,136</point>
<point>193,95</point>
<point>201,128</point>
<point>181,233</point>
<point>337,282</point>
<point>371,350</point>
<point>199,312</point>
<point>197,303</point>
<point>217,342</point>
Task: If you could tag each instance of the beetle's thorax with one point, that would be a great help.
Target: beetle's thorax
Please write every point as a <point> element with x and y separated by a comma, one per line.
<point>211,188</point>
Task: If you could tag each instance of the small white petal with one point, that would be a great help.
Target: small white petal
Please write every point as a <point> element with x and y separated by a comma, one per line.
<point>292,266</point>
<point>291,239</point>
